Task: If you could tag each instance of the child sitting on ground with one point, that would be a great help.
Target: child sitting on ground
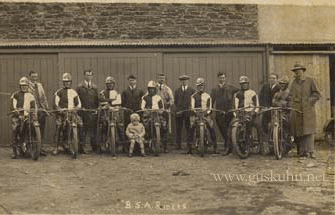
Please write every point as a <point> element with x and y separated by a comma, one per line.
<point>135,132</point>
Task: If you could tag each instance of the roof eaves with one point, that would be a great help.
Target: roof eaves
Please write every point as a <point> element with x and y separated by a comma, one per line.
<point>152,42</point>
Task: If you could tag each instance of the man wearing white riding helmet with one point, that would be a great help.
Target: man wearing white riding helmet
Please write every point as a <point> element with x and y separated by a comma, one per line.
<point>67,98</point>
<point>153,101</point>
<point>21,99</point>
<point>281,98</point>
<point>109,97</point>
<point>201,99</point>
<point>248,99</point>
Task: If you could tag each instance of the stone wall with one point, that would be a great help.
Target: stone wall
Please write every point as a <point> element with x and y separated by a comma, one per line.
<point>127,21</point>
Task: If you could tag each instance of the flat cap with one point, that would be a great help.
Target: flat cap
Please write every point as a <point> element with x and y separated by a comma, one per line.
<point>184,77</point>
<point>131,76</point>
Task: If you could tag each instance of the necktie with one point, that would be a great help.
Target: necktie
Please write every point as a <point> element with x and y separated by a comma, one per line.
<point>160,87</point>
<point>88,85</point>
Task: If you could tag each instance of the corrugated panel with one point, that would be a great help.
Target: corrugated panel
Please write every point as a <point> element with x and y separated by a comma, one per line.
<point>318,68</point>
<point>142,65</point>
<point>207,65</point>
<point>12,68</point>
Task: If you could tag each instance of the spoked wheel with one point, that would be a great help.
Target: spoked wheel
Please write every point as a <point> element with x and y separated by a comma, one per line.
<point>36,143</point>
<point>277,141</point>
<point>201,141</point>
<point>240,143</point>
<point>57,139</point>
<point>74,142</point>
<point>157,141</point>
<point>112,141</point>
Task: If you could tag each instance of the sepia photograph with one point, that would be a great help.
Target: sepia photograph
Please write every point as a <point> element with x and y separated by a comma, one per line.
<point>167,107</point>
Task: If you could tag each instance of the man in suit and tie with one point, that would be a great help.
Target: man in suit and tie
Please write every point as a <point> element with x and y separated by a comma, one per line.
<point>131,98</point>
<point>36,88</point>
<point>222,97</point>
<point>265,100</point>
<point>89,97</point>
<point>182,102</point>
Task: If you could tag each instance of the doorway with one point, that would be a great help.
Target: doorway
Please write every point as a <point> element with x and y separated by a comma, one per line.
<point>332,83</point>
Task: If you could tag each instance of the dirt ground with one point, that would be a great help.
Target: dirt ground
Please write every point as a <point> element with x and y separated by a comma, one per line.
<point>173,183</point>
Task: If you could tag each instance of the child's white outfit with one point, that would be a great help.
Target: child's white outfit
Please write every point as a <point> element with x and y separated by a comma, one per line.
<point>136,133</point>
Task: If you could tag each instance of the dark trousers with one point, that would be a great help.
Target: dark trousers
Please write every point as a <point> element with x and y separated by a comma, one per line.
<point>265,120</point>
<point>223,122</point>
<point>164,129</point>
<point>42,121</point>
<point>180,120</point>
<point>212,134</point>
<point>89,128</point>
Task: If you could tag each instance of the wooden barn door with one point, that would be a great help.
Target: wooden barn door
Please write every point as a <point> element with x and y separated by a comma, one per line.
<point>318,68</point>
<point>207,65</point>
<point>118,65</point>
<point>15,66</point>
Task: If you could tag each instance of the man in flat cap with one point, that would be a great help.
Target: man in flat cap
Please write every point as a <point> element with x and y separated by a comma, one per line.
<point>303,96</point>
<point>182,101</point>
<point>131,98</point>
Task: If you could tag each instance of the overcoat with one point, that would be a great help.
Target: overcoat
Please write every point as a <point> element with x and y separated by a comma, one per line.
<point>303,96</point>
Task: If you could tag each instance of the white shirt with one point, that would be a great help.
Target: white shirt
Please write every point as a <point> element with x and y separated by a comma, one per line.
<point>88,84</point>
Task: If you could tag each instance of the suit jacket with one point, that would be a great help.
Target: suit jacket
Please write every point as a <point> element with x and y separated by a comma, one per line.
<point>39,94</point>
<point>182,100</point>
<point>132,98</point>
<point>266,94</point>
<point>222,98</point>
<point>89,97</point>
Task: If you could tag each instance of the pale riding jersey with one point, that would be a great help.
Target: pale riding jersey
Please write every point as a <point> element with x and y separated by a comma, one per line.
<point>23,100</point>
<point>67,98</point>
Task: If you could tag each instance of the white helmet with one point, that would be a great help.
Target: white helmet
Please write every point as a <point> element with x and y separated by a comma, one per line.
<point>244,79</point>
<point>200,81</point>
<point>110,80</point>
<point>284,80</point>
<point>67,77</point>
<point>24,81</point>
<point>152,84</point>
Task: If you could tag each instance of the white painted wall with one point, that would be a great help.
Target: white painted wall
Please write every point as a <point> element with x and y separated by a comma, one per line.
<point>291,23</point>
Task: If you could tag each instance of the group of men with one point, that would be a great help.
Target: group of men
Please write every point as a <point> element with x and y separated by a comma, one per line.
<point>302,94</point>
